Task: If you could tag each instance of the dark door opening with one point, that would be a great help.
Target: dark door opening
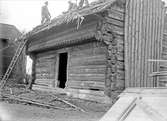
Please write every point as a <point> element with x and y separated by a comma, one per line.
<point>62,73</point>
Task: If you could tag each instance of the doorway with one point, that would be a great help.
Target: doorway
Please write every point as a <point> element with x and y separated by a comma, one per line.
<point>62,71</point>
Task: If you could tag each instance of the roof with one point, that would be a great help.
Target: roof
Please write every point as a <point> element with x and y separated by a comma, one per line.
<point>93,8</point>
<point>9,31</point>
<point>139,104</point>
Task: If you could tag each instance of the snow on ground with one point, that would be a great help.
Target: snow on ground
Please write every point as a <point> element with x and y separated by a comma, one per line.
<point>19,112</point>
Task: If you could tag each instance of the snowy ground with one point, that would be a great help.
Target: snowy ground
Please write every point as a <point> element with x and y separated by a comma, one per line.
<point>20,112</point>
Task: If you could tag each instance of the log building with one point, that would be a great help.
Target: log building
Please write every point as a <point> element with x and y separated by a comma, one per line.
<point>102,55</point>
<point>8,34</point>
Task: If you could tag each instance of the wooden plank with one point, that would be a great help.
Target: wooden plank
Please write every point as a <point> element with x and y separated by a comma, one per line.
<point>133,44</point>
<point>85,84</point>
<point>148,44</point>
<point>87,67</point>
<point>114,22</point>
<point>97,96</point>
<point>144,40</point>
<point>116,15</point>
<point>127,43</point>
<point>139,73</point>
<point>100,61</point>
<point>150,35</point>
<point>155,41</point>
<point>89,95</point>
<point>88,52</point>
<point>87,71</point>
<point>137,48</point>
<point>118,109</point>
<point>87,78</point>
<point>89,58</point>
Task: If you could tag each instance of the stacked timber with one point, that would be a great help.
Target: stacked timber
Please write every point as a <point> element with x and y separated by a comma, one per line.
<point>86,66</point>
<point>111,32</point>
<point>44,70</point>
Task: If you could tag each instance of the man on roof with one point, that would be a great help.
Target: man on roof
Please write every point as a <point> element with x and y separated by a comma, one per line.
<point>45,14</point>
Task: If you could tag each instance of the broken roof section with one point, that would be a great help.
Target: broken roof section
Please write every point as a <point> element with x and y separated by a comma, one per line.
<point>69,16</point>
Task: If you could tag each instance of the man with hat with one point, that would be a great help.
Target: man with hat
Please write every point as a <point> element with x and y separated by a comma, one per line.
<point>45,13</point>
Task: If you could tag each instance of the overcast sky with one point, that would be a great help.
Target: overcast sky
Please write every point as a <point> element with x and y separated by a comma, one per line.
<point>26,14</point>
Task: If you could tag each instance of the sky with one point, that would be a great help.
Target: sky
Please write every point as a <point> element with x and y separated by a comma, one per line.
<point>26,14</point>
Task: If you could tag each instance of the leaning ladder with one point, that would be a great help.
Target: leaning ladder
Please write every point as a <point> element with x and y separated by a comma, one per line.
<point>13,63</point>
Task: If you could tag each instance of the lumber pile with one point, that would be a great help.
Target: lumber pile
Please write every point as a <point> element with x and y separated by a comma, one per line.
<point>43,104</point>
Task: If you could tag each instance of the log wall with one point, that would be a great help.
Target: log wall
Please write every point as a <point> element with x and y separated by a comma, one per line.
<point>87,66</point>
<point>7,50</point>
<point>143,41</point>
<point>45,69</point>
<point>111,32</point>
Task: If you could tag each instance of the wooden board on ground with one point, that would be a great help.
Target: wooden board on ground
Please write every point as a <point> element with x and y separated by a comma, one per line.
<point>139,104</point>
<point>91,95</point>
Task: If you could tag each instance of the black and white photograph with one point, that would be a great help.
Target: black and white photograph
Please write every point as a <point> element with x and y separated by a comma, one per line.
<point>83,60</point>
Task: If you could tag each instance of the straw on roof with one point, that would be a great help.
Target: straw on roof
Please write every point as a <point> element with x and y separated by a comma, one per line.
<point>94,7</point>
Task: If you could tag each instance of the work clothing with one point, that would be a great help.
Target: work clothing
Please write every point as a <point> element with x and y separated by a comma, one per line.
<point>45,14</point>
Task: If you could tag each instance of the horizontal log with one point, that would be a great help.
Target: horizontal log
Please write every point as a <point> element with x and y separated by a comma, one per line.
<point>95,98</point>
<point>114,22</point>
<point>90,45</point>
<point>89,58</point>
<point>88,52</point>
<point>86,84</point>
<point>87,71</point>
<point>44,65</point>
<point>85,62</point>
<point>63,40</point>
<point>116,15</point>
<point>92,95</point>
<point>86,77</point>
<point>115,29</point>
<point>87,67</point>
<point>44,81</point>
<point>44,77</point>
<point>46,55</point>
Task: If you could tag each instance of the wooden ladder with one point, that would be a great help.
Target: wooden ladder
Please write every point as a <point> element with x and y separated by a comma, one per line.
<point>12,63</point>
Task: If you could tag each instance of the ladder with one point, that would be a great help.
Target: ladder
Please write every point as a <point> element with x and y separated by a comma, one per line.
<point>13,63</point>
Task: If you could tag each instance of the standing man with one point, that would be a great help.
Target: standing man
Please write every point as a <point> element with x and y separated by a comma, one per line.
<point>45,13</point>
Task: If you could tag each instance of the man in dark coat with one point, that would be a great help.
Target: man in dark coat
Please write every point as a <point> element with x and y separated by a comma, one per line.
<point>45,13</point>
